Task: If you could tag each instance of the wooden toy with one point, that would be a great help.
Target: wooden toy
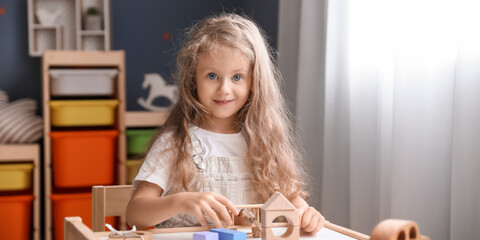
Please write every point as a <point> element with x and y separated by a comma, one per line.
<point>110,200</point>
<point>247,217</point>
<point>128,235</point>
<point>228,234</point>
<point>75,229</point>
<point>396,229</point>
<point>279,206</point>
<point>205,235</point>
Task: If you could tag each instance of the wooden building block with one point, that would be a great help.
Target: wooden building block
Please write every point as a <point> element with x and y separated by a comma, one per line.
<point>278,205</point>
<point>256,232</point>
<point>277,202</point>
<point>205,235</point>
<point>396,229</point>
<point>268,217</point>
<point>227,234</point>
<point>292,233</point>
<point>245,217</point>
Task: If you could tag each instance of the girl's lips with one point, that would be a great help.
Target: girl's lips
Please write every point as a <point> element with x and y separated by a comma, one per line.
<point>223,102</point>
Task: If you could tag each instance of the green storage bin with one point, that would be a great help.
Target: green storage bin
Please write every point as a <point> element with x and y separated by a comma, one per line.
<point>138,139</point>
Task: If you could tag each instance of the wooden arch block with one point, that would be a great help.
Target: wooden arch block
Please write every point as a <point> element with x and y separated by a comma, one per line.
<point>291,217</point>
<point>397,229</point>
<point>292,233</point>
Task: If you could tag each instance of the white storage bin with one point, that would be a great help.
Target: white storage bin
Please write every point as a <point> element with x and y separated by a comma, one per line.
<point>82,82</point>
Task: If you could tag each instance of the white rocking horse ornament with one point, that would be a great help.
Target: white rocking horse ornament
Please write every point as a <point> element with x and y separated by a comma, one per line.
<point>158,88</point>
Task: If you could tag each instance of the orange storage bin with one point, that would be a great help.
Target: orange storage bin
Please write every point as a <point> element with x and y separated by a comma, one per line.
<point>72,205</point>
<point>16,216</point>
<point>83,158</point>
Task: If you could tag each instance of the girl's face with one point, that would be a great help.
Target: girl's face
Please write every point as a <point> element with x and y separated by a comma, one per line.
<point>223,79</point>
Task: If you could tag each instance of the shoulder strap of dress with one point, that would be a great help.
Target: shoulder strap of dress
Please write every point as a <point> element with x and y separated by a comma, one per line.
<point>197,151</point>
<point>196,144</point>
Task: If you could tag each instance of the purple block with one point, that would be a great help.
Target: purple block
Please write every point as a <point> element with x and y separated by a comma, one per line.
<point>205,235</point>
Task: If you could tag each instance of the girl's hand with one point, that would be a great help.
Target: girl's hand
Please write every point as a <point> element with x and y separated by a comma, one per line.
<point>311,221</point>
<point>207,204</point>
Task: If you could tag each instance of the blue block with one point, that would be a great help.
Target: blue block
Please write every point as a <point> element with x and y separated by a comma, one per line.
<point>227,234</point>
<point>205,235</point>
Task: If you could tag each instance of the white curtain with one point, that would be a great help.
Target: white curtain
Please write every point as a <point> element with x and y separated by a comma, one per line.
<point>390,114</point>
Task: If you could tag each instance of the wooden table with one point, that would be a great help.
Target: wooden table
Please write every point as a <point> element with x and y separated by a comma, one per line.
<point>324,234</point>
<point>75,229</point>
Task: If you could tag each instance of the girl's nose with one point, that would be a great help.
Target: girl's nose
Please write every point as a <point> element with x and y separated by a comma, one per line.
<point>225,86</point>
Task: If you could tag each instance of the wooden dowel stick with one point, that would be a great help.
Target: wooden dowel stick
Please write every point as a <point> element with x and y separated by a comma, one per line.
<point>329,225</point>
<point>193,229</point>
<point>346,231</point>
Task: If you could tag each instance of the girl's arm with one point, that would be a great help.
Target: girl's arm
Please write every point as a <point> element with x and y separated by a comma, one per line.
<point>311,221</point>
<point>147,207</point>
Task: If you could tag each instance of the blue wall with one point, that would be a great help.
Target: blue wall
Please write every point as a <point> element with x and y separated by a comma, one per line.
<point>138,27</point>
<point>20,74</point>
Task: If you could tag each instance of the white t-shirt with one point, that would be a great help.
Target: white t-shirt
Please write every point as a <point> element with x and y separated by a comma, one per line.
<point>156,167</point>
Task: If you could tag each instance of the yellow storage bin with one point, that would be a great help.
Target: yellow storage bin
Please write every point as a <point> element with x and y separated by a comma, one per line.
<point>70,113</point>
<point>132,169</point>
<point>15,176</point>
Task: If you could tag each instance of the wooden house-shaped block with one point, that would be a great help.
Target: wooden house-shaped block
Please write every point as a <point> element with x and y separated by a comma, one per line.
<point>279,206</point>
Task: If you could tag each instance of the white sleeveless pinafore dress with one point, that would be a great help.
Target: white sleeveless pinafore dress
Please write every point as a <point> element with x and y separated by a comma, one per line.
<point>228,176</point>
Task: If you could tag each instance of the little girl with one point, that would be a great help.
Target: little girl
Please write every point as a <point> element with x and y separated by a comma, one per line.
<point>227,141</point>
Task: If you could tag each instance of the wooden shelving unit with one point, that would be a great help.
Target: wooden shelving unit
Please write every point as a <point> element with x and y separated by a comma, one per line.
<point>68,31</point>
<point>84,60</point>
<point>145,119</point>
<point>27,153</point>
<point>93,39</point>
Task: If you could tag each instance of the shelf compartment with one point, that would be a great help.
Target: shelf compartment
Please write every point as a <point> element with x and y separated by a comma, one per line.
<point>92,42</point>
<point>138,140</point>
<point>71,113</point>
<point>83,158</point>
<point>15,176</point>
<point>46,38</point>
<point>132,169</point>
<point>16,216</point>
<point>83,82</point>
<point>73,204</point>
<point>92,33</point>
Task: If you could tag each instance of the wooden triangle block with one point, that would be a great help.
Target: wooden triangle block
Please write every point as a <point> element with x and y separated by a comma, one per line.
<point>277,202</point>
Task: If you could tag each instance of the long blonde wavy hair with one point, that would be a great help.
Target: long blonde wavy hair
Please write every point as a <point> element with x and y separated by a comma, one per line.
<point>273,156</point>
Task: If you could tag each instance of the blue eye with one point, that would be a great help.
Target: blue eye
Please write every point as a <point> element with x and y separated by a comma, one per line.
<point>212,76</point>
<point>237,77</point>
